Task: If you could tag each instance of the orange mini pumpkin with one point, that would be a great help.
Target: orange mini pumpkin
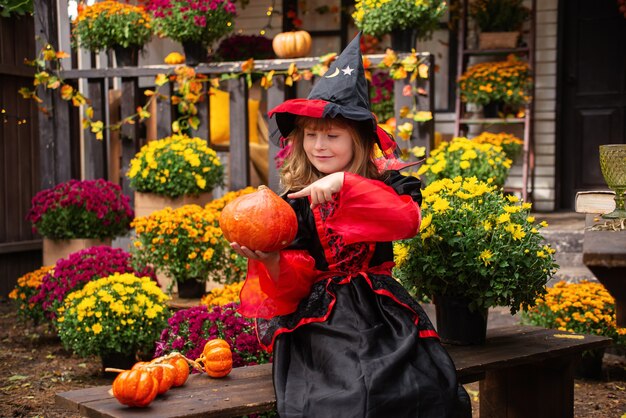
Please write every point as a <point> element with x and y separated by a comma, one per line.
<point>292,44</point>
<point>181,368</point>
<point>217,358</point>
<point>135,387</point>
<point>163,373</point>
<point>260,221</point>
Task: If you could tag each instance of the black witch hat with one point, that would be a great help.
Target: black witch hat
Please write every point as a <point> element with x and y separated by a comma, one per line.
<point>341,91</point>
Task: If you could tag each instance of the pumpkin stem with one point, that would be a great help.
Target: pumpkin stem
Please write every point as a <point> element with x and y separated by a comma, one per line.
<point>114,370</point>
<point>262,187</point>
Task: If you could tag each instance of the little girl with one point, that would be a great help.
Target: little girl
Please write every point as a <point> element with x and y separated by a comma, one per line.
<point>348,340</point>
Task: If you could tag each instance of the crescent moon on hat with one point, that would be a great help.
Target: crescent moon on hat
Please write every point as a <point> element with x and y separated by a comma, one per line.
<point>334,74</point>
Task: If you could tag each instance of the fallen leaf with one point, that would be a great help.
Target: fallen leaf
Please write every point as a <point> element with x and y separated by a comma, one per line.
<point>571,337</point>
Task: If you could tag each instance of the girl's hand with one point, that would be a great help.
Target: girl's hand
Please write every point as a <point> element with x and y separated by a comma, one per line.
<point>254,255</point>
<point>321,190</point>
<point>270,260</point>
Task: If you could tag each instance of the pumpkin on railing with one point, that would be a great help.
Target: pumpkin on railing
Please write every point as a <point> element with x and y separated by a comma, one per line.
<point>293,44</point>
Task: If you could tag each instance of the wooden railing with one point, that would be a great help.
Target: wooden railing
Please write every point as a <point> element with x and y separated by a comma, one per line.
<point>56,127</point>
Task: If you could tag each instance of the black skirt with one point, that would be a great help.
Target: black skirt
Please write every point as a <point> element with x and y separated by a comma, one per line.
<point>366,359</point>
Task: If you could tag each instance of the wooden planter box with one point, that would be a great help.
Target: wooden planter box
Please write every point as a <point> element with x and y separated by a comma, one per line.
<point>146,203</point>
<point>497,40</point>
<point>54,250</point>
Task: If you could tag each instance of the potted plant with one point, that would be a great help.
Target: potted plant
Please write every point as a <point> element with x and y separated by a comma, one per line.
<point>79,214</point>
<point>187,245</point>
<point>242,47</point>
<point>188,331</point>
<point>477,249</point>
<point>466,158</point>
<point>174,171</point>
<point>381,95</point>
<point>111,24</point>
<point>405,20</point>
<point>118,316</point>
<point>583,308</point>
<point>28,286</point>
<point>499,21</point>
<point>196,24</point>
<point>223,295</point>
<point>508,82</point>
<point>510,144</point>
<point>72,273</point>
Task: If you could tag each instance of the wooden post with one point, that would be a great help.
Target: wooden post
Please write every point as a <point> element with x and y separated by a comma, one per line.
<point>239,135</point>
<point>129,133</point>
<point>541,390</point>
<point>164,114</point>
<point>204,129</point>
<point>54,127</point>
<point>423,132</point>
<point>275,96</point>
<point>95,149</point>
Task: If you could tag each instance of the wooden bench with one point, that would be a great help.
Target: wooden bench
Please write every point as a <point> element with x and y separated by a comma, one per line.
<point>523,372</point>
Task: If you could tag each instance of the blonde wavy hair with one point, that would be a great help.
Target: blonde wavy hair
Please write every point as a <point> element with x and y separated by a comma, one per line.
<point>297,171</point>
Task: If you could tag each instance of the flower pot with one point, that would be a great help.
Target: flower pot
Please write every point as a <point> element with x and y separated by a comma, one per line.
<point>590,365</point>
<point>493,109</point>
<point>195,53</point>
<point>54,250</point>
<point>146,203</point>
<point>403,40</point>
<point>497,40</point>
<point>456,324</point>
<point>126,56</point>
<point>191,289</point>
<point>117,361</point>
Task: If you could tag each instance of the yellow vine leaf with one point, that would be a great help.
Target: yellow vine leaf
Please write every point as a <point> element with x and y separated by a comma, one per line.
<point>160,79</point>
<point>66,92</point>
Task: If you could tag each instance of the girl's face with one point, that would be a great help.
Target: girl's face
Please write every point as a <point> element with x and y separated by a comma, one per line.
<point>329,151</point>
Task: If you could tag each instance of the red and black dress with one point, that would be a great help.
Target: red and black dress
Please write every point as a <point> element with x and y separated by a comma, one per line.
<point>348,339</point>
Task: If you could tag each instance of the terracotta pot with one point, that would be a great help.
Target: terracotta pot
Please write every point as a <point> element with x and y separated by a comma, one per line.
<point>590,365</point>
<point>195,53</point>
<point>117,361</point>
<point>403,40</point>
<point>146,203</point>
<point>456,324</point>
<point>497,40</point>
<point>191,289</point>
<point>126,56</point>
<point>54,250</point>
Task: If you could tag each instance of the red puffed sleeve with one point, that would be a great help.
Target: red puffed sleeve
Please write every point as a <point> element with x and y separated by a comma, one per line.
<point>264,297</point>
<point>370,210</point>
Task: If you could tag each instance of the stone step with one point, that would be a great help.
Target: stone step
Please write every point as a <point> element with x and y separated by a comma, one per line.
<point>564,241</point>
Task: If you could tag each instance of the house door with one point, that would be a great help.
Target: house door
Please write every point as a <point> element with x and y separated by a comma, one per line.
<point>592,72</point>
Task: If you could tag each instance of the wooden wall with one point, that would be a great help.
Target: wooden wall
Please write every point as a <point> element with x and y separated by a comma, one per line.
<point>20,249</point>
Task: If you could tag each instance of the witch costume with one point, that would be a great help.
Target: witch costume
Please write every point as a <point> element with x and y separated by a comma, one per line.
<point>348,339</point>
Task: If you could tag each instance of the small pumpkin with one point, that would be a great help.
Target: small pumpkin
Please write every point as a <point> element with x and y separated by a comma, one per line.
<point>217,358</point>
<point>136,387</point>
<point>174,58</point>
<point>260,221</point>
<point>163,373</point>
<point>292,44</point>
<point>180,365</point>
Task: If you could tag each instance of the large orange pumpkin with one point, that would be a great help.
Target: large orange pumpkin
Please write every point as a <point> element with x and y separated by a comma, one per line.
<point>163,373</point>
<point>292,44</point>
<point>217,358</point>
<point>260,221</point>
<point>135,387</point>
